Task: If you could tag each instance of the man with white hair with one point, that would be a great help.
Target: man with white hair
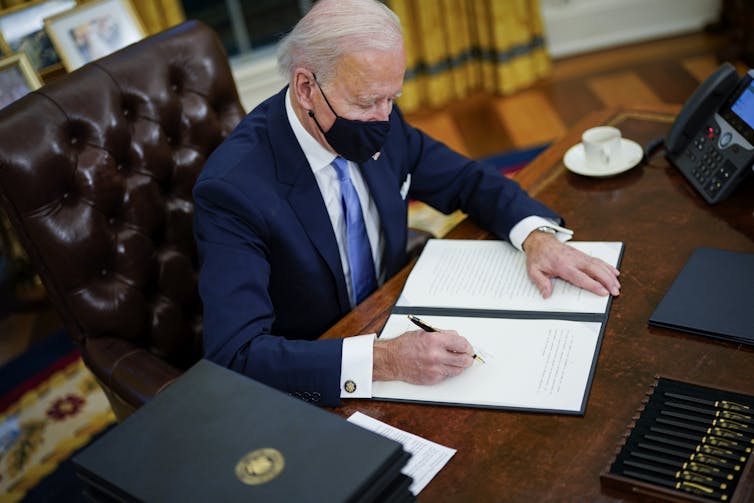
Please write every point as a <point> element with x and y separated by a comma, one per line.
<point>302,212</point>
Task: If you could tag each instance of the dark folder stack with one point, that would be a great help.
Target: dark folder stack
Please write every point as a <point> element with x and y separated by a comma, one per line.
<point>713,295</point>
<point>216,435</point>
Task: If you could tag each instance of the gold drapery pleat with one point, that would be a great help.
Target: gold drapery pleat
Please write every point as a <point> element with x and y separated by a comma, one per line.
<point>5,4</point>
<point>155,15</point>
<point>158,15</point>
<point>454,47</point>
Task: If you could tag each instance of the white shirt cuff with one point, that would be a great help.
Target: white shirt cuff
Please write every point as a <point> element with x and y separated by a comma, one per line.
<point>356,366</point>
<point>521,230</point>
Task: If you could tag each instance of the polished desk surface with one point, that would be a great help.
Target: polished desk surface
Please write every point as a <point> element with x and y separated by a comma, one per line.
<point>515,456</point>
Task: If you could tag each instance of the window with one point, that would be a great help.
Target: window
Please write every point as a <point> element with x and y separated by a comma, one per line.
<point>248,25</point>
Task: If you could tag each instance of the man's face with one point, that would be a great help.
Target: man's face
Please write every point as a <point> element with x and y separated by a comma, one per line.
<point>365,86</point>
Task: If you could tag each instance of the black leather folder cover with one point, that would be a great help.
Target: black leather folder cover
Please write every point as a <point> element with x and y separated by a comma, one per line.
<point>186,443</point>
<point>713,295</point>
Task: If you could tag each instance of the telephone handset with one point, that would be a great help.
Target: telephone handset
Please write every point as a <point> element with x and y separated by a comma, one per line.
<point>712,140</point>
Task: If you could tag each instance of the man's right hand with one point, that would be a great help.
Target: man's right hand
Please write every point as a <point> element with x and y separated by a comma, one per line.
<point>420,357</point>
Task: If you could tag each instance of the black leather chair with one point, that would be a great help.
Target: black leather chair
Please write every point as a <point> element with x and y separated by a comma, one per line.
<point>96,173</point>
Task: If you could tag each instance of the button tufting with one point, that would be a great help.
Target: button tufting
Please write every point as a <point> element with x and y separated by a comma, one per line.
<point>103,272</point>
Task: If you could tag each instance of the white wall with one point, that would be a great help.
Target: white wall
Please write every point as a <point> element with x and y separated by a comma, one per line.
<point>572,27</point>
<point>257,77</point>
<point>576,26</point>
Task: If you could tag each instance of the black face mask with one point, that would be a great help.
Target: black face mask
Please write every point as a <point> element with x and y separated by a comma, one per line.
<point>354,140</point>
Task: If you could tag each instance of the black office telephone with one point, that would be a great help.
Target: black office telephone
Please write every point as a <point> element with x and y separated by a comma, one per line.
<point>712,140</point>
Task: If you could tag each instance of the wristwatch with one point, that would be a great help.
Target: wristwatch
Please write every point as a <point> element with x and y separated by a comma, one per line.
<point>546,229</point>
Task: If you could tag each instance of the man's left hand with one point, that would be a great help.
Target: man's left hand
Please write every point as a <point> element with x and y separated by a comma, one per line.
<point>548,258</point>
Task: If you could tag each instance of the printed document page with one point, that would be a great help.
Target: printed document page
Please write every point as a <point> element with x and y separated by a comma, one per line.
<point>532,364</point>
<point>427,457</point>
<point>473,274</point>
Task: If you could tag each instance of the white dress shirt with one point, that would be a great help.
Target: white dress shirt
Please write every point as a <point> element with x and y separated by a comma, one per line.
<point>357,355</point>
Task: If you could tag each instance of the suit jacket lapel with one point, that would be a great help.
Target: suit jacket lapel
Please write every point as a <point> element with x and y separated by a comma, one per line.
<point>386,194</point>
<point>304,196</point>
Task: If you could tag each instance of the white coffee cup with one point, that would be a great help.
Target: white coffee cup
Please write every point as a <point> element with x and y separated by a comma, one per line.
<point>601,146</point>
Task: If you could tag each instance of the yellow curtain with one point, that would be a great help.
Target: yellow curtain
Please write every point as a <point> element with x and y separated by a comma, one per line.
<point>11,3</point>
<point>159,14</point>
<point>155,15</point>
<point>454,47</point>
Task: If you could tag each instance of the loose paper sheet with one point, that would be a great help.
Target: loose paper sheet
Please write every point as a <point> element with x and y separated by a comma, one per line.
<point>536,364</point>
<point>473,274</point>
<point>427,457</point>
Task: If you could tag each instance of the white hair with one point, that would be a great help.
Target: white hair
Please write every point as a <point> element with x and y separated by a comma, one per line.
<point>334,28</point>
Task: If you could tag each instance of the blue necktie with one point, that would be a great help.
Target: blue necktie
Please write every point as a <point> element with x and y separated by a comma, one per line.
<point>363,281</point>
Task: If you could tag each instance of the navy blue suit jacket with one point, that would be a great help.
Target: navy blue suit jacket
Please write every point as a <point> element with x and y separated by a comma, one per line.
<point>271,279</point>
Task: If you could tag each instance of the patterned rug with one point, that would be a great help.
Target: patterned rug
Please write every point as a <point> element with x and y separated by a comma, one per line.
<point>50,406</point>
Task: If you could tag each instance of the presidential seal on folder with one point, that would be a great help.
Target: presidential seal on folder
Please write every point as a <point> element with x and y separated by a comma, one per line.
<point>216,435</point>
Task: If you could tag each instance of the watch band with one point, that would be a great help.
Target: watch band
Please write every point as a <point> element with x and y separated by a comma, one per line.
<point>547,229</point>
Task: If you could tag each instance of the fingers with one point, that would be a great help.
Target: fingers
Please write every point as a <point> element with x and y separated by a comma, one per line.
<point>607,276</point>
<point>541,281</point>
<point>454,343</point>
<point>597,277</point>
<point>448,351</point>
<point>552,259</point>
<point>586,282</point>
<point>422,357</point>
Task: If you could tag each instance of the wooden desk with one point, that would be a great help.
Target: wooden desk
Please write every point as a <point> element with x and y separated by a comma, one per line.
<point>511,456</point>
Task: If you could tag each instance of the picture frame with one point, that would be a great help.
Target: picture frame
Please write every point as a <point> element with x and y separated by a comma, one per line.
<point>93,30</point>
<point>22,29</point>
<point>17,78</point>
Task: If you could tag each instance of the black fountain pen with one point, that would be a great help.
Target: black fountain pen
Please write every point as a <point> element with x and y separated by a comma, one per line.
<point>701,448</point>
<point>429,328</point>
<point>690,466</point>
<point>689,487</point>
<point>688,476</point>
<point>726,414</point>
<point>723,443</point>
<point>722,404</point>
<point>720,423</point>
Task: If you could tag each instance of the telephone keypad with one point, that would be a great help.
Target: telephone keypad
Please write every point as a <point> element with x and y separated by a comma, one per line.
<point>707,162</point>
<point>720,153</point>
<point>709,166</point>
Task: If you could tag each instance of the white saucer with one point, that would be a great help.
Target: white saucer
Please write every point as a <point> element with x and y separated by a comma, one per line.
<point>631,154</point>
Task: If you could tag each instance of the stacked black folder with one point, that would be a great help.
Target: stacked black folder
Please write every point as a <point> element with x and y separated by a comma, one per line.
<point>712,295</point>
<point>215,435</point>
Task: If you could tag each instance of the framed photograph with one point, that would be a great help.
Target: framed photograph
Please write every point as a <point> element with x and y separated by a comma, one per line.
<point>22,29</point>
<point>93,30</point>
<point>17,78</point>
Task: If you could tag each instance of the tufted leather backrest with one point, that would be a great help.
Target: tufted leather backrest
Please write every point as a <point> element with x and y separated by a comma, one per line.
<point>96,172</point>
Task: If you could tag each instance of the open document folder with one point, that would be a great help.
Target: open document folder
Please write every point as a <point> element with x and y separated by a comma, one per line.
<point>539,353</point>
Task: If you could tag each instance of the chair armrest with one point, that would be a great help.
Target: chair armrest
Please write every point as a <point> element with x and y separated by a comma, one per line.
<point>132,374</point>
